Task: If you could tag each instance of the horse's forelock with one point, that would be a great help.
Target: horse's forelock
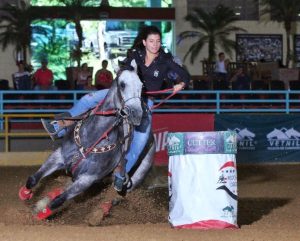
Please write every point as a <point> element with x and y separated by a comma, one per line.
<point>126,67</point>
<point>129,68</point>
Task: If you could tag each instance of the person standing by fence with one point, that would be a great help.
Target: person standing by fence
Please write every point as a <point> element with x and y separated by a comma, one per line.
<point>22,78</point>
<point>103,77</point>
<point>43,77</point>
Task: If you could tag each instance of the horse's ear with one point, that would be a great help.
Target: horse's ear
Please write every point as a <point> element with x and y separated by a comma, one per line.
<point>134,65</point>
<point>115,66</point>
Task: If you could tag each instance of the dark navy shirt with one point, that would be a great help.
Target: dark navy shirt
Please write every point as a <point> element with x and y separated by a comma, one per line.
<point>156,73</point>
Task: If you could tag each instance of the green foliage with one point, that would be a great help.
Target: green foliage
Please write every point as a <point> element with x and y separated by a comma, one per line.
<point>136,3</point>
<point>63,2</point>
<point>113,3</point>
<point>285,11</point>
<point>55,49</point>
<point>281,10</point>
<point>15,27</point>
<point>214,29</point>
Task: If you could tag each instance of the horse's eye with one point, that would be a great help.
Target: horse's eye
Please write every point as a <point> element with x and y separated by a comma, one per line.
<point>122,85</point>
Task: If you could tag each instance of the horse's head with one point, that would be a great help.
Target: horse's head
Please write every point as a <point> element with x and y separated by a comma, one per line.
<point>129,89</point>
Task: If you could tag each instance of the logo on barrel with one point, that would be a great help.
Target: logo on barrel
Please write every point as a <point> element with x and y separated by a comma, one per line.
<point>175,144</point>
<point>205,142</point>
<point>227,180</point>
<point>228,211</point>
<point>230,142</point>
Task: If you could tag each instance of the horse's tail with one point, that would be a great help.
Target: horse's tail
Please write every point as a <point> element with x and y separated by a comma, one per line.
<point>145,165</point>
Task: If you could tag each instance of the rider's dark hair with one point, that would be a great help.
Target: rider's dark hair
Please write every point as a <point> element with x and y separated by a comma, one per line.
<point>143,34</point>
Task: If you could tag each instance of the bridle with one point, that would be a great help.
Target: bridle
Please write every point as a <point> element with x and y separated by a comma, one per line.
<point>121,117</point>
<point>123,102</point>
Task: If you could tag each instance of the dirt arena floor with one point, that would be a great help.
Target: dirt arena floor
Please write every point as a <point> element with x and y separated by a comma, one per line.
<point>269,209</point>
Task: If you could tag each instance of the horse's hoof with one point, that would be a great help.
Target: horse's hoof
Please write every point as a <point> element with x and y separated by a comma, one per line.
<point>45,213</point>
<point>25,194</point>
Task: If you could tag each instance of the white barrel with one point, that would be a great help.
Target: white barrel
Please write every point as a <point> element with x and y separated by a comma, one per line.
<point>202,180</point>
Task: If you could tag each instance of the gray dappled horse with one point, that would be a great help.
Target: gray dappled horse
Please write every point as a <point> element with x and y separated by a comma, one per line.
<point>97,145</point>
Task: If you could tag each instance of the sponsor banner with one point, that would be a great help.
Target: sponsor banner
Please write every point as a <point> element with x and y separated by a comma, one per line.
<point>203,191</point>
<point>264,138</point>
<point>182,143</point>
<point>164,123</point>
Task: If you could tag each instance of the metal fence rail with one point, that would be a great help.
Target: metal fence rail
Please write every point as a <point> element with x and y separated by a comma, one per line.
<point>8,133</point>
<point>30,106</point>
<point>185,101</point>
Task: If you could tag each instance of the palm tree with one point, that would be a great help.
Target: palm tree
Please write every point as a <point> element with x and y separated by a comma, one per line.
<point>286,12</point>
<point>15,28</point>
<point>215,28</point>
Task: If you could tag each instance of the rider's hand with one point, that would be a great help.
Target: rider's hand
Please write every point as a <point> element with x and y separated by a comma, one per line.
<point>178,87</point>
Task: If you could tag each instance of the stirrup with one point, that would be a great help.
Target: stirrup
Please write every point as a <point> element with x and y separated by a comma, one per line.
<point>127,179</point>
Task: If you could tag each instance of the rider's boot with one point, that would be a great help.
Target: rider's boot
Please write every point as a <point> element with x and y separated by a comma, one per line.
<point>51,130</point>
<point>55,126</point>
<point>120,176</point>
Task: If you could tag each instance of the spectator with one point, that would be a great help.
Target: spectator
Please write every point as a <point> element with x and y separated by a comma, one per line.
<point>89,85</point>
<point>240,81</point>
<point>22,78</point>
<point>221,78</point>
<point>221,66</point>
<point>43,77</point>
<point>103,77</point>
<point>82,77</point>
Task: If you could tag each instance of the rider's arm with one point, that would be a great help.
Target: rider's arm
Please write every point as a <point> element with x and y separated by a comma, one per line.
<point>184,76</point>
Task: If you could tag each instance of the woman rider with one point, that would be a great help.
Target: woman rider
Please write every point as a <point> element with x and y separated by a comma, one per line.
<point>153,67</point>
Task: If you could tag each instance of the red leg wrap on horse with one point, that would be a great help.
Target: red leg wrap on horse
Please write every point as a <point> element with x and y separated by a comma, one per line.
<point>25,194</point>
<point>106,207</point>
<point>45,213</point>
